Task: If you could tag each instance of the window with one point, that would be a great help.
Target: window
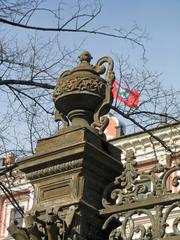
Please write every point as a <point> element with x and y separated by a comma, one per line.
<point>15,215</point>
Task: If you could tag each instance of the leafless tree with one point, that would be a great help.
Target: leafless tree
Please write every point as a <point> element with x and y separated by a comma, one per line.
<point>29,68</point>
<point>157,106</point>
<point>28,71</point>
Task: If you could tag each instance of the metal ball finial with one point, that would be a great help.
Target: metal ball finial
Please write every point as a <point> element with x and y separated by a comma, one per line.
<point>85,57</point>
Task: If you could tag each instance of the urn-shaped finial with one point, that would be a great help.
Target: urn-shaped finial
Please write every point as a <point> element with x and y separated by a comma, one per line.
<point>82,96</point>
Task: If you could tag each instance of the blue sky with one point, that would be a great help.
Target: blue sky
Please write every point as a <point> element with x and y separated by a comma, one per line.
<point>161,19</point>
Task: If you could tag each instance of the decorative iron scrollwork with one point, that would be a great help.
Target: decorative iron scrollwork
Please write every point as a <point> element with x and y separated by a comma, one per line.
<point>131,183</point>
<point>132,227</point>
<point>104,107</point>
<point>140,212</point>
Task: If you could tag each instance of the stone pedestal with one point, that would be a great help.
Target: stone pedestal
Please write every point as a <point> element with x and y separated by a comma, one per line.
<point>71,169</point>
<point>69,172</point>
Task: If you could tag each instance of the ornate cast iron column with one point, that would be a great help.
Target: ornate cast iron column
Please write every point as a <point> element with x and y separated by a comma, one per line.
<point>70,170</point>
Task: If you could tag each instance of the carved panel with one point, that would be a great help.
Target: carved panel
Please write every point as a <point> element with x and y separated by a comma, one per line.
<point>90,84</point>
<point>56,190</point>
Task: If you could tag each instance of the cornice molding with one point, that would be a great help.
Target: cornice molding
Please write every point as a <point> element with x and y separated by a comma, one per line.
<point>55,169</point>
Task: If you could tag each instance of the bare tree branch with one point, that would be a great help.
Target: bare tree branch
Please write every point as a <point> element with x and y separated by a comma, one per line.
<point>26,83</point>
<point>144,129</point>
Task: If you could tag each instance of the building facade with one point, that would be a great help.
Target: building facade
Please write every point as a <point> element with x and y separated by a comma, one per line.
<point>16,198</point>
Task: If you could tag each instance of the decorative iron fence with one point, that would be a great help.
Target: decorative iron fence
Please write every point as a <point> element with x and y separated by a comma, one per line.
<point>140,205</point>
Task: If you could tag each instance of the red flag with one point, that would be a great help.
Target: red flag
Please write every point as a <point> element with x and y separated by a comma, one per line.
<point>129,97</point>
